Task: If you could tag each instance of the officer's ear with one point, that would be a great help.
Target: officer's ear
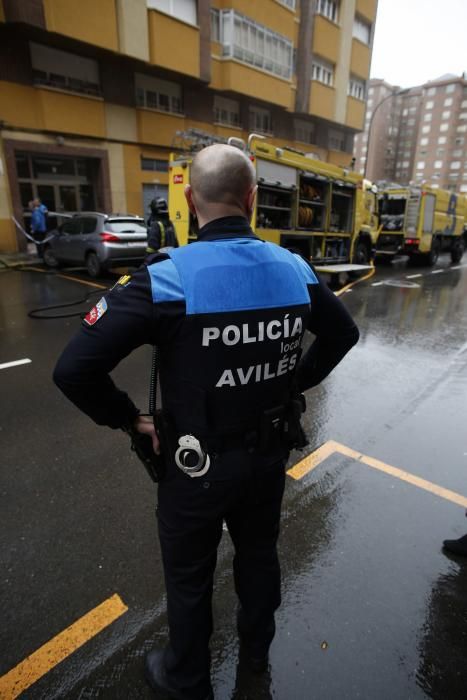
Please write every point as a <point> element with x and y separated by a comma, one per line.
<point>189,198</point>
<point>250,201</point>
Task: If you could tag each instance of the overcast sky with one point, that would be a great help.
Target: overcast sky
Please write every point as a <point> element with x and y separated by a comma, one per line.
<point>419,40</point>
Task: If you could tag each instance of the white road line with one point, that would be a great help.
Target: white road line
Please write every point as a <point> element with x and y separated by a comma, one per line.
<point>5,365</point>
<point>412,277</point>
<point>377,284</point>
<point>457,267</point>
<point>436,272</point>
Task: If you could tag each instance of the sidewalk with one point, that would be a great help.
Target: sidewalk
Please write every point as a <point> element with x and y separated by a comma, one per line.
<point>18,259</point>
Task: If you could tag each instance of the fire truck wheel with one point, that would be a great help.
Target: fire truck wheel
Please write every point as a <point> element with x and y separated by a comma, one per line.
<point>431,258</point>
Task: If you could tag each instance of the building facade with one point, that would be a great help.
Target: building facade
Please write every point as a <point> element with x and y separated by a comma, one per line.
<point>416,135</point>
<point>95,95</point>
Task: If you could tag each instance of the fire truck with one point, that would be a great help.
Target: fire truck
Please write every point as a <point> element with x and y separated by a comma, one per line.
<point>421,222</point>
<point>326,212</point>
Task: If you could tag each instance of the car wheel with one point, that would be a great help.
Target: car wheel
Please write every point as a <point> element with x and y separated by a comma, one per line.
<point>457,251</point>
<point>93,265</point>
<point>49,257</point>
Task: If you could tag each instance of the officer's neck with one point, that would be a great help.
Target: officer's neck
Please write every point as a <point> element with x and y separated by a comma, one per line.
<point>219,211</point>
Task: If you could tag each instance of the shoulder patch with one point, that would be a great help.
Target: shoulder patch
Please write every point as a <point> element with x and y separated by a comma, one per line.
<point>96,312</point>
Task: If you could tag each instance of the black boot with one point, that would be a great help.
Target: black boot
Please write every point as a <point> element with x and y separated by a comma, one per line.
<point>253,653</point>
<point>457,546</point>
<point>157,679</point>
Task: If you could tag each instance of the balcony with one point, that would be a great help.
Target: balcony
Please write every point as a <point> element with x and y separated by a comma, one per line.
<point>326,39</point>
<point>367,9</point>
<point>360,59</point>
<point>355,113</point>
<point>89,21</point>
<point>322,100</point>
<point>230,74</point>
<point>173,44</point>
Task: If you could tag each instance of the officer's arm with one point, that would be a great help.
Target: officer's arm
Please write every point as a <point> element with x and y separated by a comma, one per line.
<point>335,331</point>
<point>82,372</point>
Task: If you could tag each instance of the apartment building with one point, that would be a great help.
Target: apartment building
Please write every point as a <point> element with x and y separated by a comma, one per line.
<point>416,135</point>
<point>95,95</point>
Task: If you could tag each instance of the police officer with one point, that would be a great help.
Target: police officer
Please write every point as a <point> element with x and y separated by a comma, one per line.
<point>161,231</point>
<point>228,314</point>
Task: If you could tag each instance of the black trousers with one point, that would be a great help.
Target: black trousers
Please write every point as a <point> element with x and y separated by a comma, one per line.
<point>191,512</point>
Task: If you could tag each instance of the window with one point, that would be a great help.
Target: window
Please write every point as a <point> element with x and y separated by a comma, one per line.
<point>459,140</point>
<point>440,152</point>
<point>431,91</point>
<point>442,139</point>
<point>427,117</point>
<point>420,165</point>
<point>361,30</point>
<point>450,88</point>
<point>182,9</point>
<point>405,112</point>
<point>444,127</point>
<point>405,164</point>
<point>438,164</point>
<point>410,122</point>
<point>457,153</point>
<point>323,72</point>
<point>63,70</point>
<point>329,9</point>
<point>336,140</point>
<point>455,165</point>
<point>448,102</point>
<point>154,164</point>
<point>462,128</point>
<point>304,131</point>
<point>429,104</point>
<point>463,115</point>
<point>226,111</point>
<point>288,3</point>
<point>260,120</point>
<point>424,142</point>
<point>356,89</point>
<point>215,25</point>
<point>155,93</point>
<point>446,115</point>
<point>426,129</point>
<point>255,44</point>
<point>464,104</point>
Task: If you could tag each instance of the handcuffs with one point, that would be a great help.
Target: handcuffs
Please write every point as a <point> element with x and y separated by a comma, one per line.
<point>188,447</point>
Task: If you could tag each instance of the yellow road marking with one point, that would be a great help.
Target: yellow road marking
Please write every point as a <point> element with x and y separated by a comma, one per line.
<point>76,279</point>
<point>328,448</point>
<point>57,649</point>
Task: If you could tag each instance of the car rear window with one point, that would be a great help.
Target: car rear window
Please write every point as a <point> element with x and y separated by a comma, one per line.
<point>125,226</point>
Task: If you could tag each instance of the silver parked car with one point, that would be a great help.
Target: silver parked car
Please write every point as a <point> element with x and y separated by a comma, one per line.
<point>100,241</point>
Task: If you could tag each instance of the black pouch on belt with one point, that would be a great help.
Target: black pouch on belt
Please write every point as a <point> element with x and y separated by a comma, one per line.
<point>294,432</point>
<point>155,464</point>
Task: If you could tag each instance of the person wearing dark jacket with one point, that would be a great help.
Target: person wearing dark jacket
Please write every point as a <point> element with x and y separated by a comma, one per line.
<point>161,231</point>
<point>228,314</point>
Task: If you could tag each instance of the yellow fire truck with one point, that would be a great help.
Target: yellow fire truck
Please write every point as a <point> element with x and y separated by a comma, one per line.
<point>421,222</point>
<point>326,212</point>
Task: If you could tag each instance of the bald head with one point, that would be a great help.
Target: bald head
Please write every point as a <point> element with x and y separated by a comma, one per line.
<point>222,179</point>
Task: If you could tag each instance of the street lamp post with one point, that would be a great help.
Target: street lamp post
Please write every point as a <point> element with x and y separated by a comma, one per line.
<point>388,97</point>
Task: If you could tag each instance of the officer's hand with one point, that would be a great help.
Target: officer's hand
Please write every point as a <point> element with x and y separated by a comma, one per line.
<point>145,425</point>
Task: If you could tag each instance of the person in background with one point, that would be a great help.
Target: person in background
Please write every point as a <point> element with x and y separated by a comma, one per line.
<point>39,223</point>
<point>161,231</point>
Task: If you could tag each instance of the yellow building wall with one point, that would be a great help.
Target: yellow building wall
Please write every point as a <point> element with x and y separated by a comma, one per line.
<point>326,39</point>
<point>322,100</point>
<point>268,12</point>
<point>236,77</point>
<point>71,113</point>
<point>157,127</point>
<point>367,8</point>
<point>91,21</point>
<point>355,113</point>
<point>19,106</point>
<point>135,178</point>
<point>360,59</point>
<point>173,44</point>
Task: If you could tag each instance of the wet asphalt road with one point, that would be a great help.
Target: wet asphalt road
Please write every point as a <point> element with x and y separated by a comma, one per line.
<point>372,607</point>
